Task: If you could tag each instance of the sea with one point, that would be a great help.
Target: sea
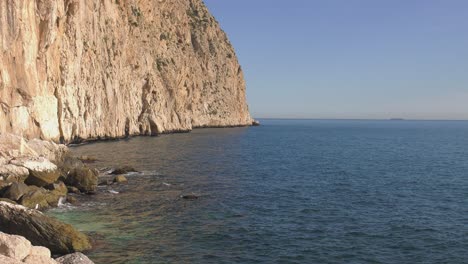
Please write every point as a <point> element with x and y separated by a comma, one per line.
<point>288,191</point>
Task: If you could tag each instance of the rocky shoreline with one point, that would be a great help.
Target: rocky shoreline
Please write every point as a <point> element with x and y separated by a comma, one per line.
<point>36,175</point>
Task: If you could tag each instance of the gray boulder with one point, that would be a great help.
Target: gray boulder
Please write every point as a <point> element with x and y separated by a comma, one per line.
<point>75,258</point>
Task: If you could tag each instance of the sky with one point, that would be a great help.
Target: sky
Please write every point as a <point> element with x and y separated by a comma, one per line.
<point>371,59</point>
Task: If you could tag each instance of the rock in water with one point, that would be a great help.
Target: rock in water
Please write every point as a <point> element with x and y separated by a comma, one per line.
<point>123,170</point>
<point>75,258</point>
<point>120,179</point>
<point>83,178</point>
<point>190,197</point>
<point>41,230</point>
<point>109,69</point>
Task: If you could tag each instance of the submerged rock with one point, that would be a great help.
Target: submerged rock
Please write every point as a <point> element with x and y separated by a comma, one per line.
<point>41,230</point>
<point>120,179</point>
<point>123,170</point>
<point>75,258</point>
<point>189,197</point>
<point>83,178</point>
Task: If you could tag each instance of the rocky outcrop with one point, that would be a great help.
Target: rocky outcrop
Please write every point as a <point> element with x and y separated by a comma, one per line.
<point>41,230</point>
<point>79,69</point>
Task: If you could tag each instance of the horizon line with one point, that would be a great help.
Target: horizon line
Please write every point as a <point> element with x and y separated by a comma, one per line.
<point>358,119</point>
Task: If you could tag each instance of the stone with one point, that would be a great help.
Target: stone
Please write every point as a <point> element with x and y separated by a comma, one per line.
<point>127,68</point>
<point>75,258</point>
<point>189,197</point>
<point>72,189</point>
<point>41,171</point>
<point>41,230</point>
<point>8,260</point>
<point>33,259</point>
<point>59,187</point>
<point>40,251</point>
<point>16,191</point>
<point>49,150</point>
<point>72,200</point>
<point>7,200</point>
<point>13,173</point>
<point>13,246</point>
<point>40,198</point>
<point>123,170</point>
<point>12,145</point>
<point>120,179</point>
<point>84,178</point>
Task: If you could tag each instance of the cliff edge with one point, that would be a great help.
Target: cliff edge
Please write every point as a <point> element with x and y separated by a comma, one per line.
<point>90,69</point>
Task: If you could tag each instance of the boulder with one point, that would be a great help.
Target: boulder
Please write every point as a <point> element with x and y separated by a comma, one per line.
<point>14,146</point>
<point>39,260</point>
<point>83,178</point>
<point>49,150</point>
<point>40,198</point>
<point>59,187</point>
<point>40,251</point>
<point>14,246</point>
<point>8,260</point>
<point>41,230</point>
<point>75,258</point>
<point>120,179</point>
<point>41,171</point>
<point>72,200</point>
<point>72,189</point>
<point>16,191</point>
<point>123,170</point>
<point>7,200</point>
<point>69,163</point>
<point>13,173</point>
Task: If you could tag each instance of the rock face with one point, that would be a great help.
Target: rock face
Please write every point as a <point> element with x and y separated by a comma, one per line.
<point>90,69</point>
<point>41,230</point>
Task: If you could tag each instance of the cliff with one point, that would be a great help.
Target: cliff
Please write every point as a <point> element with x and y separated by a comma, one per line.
<point>89,69</point>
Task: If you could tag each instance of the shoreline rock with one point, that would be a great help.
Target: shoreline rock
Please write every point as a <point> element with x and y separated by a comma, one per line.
<point>17,249</point>
<point>42,230</point>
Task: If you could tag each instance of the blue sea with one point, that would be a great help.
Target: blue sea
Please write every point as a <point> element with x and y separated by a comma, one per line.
<point>289,191</point>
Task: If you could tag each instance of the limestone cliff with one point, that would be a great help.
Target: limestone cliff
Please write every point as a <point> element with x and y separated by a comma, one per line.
<point>86,69</point>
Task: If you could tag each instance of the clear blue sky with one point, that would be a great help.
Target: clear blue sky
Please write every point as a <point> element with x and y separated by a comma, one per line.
<point>351,58</point>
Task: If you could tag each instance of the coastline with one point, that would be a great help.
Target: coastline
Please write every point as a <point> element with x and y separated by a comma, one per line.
<point>59,178</point>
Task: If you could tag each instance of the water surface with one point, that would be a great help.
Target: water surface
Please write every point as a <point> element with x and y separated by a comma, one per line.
<point>290,191</point>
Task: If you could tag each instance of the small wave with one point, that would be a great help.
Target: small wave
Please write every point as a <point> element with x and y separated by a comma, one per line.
<point>166,184</point>
<point>113,192</point>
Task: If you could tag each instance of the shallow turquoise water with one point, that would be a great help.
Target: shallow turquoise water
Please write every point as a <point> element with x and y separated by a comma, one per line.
<point>290,191</point>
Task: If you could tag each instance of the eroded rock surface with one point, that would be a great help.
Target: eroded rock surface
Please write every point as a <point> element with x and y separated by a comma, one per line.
<point>41,230</point>
<point>90,69</point>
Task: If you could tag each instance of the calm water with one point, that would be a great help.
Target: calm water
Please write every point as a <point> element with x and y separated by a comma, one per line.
<point>297,191</point>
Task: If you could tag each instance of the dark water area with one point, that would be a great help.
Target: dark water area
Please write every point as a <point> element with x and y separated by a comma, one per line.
<point>289,191</point>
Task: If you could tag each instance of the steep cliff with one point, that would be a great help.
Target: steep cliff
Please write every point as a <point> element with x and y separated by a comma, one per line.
<point>86,69</point>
